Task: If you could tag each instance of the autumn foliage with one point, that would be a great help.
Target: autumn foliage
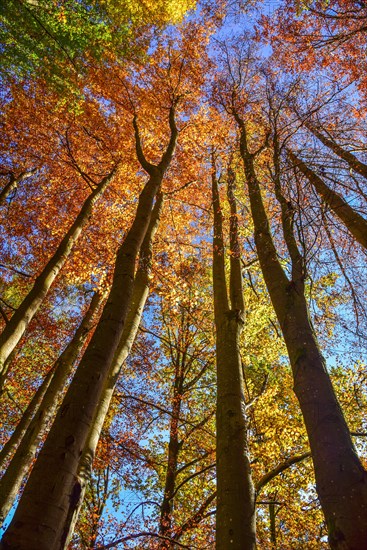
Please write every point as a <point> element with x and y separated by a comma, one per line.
<point>183,275</point>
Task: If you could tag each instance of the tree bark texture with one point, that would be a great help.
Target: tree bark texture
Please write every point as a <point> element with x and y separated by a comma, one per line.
<point>235,519</point>
<point>341,480</point>
<point>52,494</point>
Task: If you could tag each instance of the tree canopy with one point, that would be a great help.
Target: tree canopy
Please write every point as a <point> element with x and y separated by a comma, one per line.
<point>183,275</point>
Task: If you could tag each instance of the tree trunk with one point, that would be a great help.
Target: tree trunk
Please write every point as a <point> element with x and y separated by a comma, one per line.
<point>351,159</point>
<point>22,460</point>
<point>13,183</point>
<point>139,298</point>
<point>235,520</point>
<point>353,221</point>
<point>19,322</point>
<point>22,426</point>
<point>52,494</point>
<point>341,480</point>
<point>165,520</point>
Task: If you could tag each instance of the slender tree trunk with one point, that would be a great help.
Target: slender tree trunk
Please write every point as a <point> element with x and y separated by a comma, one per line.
<point>174,446</point>
<point>273,530</point>
<point>353,221</point>
<point>13,183</point>
<point>52,494</point>
<point>22,460</point>
<point>22,426</point>
<point>351,159</point>
<point>341,480</point>
<point>19,322</point>
<point>235,520</point>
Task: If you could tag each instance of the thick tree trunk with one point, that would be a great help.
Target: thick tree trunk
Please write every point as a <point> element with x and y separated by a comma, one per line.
<point>353,221</point>
<point>52,494</point>
<point>19,322</point>
<point>139,298</point>
<point>22,460</point>
<point>341,480</point>
<point>235,520</point>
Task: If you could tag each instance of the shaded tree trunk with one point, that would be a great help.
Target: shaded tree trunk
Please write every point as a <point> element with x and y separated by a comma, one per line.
<point>235,520</point>
<point>19,322</point>
<point>174,447</point>
<point>52,494</point>
<point>22,460</point>
<point>341,480</point>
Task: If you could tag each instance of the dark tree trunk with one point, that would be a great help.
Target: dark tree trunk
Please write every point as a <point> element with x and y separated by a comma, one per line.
<point>165,521</point>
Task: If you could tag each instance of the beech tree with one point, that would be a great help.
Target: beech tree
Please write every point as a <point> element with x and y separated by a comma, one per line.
<point>182,276</point>
<point>235,492</point>
<point>322,414</point>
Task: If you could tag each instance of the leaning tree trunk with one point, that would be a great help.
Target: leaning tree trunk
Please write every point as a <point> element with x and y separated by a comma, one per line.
<point>235,519</point>
<point>353,221</point>
<point>341,480</point>
<point>13,183</point>
<point>139,298</point>
<point>41,520</point>
<point>22,460</point>
<point>26,418</point>
<point>353,162</point>
<point>19,322</point>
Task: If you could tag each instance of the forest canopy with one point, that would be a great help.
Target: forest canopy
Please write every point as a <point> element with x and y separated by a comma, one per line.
<point>183,214</point>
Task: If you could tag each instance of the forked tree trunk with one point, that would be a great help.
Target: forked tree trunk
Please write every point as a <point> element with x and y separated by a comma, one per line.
<point>139,298</point>
<point>52,494</point>
<point>235,519</point>
<point>353,221</point>
<point>19,322</point>
<point>22,460</point>
<point>341,480</point>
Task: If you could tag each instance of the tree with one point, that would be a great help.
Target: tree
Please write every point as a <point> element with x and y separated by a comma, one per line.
<point>18,323</point>
<point>56,41</point>
<point>331,445</point>
<point>128,461</point>
<point>42,409</point>
<point>235,518</point>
